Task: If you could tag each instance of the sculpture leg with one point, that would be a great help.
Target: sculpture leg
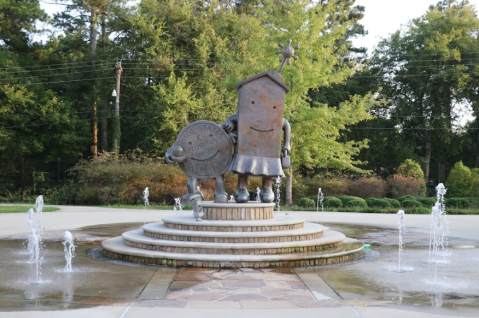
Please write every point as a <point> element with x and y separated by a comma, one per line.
<point>242,194</point>
<point>194,197</point>
<point>267,194</point>
<point>220,193</point>
<point>193,191</point>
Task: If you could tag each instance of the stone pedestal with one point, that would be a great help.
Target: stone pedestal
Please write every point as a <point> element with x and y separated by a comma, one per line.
<point>233,235</point>
<point>235,211</point>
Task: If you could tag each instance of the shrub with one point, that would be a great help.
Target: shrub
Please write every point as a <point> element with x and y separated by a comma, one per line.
<point>121,180</point>
<point>330,186</point>
<point>306,203</point>
<point>461,203</point>
<point>427,202</point>
<point>474,201</point>
<point>357,203</point>
<point>332,202</point>
<point>474,182</point>
<point>410,203</point>
<point>394,203</point>
<point>459,181</point>
<point>399,186</point>
<point>314,198</point>
<point>346,198</point>
<point>419,210</point>
<point>380,203</point>
<point>368,187</point>
<point>410,168</point>
<point>407,197</point>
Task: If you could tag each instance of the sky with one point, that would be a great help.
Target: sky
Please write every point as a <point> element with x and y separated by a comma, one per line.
<point>384,17</point>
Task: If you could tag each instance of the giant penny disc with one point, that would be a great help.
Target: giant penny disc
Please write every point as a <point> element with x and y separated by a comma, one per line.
<point>207,148</point>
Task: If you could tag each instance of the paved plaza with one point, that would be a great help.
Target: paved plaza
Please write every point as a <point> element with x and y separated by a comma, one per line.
<point>100,287</point>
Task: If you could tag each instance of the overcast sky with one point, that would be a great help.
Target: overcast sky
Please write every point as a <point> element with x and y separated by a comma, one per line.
<point>384,17</point>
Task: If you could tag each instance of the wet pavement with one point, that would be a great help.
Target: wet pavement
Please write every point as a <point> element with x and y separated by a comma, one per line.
<point>100,287</point>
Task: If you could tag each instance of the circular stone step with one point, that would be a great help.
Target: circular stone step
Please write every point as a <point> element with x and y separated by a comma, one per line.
<point>237,211</point>
<point>116,249</point>
<point>188,223</point>
<point>308,232</point>
<point>331,241</point>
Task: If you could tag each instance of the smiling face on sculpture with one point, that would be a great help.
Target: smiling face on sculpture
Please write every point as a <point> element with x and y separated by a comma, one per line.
<point>260,118</point>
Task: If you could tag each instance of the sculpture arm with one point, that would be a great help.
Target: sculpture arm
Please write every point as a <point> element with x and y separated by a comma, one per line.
<point>287,137</point>
<point>231,123</point>
<point>170,158</point>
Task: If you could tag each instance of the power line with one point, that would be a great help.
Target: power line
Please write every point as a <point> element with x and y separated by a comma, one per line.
<point>58,82</point>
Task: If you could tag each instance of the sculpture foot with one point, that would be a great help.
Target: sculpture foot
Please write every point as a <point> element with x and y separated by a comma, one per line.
<point>221,197</point>
<point>242,196</point>
<point>198,220</point>
<point>267,197</point>
<point>188,198</point>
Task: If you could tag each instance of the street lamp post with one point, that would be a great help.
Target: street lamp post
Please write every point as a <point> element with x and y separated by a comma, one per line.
<point>116,124</point>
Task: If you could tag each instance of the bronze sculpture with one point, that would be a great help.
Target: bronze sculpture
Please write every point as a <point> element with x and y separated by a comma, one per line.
<point>203,152</point>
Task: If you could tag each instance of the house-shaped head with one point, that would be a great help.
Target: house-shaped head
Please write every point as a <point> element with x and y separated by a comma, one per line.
<point>260,114</point>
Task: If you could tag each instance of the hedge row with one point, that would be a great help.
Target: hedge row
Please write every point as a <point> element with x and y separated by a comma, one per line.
<point>406,201</point>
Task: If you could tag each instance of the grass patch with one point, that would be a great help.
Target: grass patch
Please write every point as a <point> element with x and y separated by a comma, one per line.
<point>24,209</point>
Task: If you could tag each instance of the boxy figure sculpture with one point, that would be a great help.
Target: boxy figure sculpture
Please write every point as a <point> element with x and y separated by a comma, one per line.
<point>258,127</point>
<point>203,149</point>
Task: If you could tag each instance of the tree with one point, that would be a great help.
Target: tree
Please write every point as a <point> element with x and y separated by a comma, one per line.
<point>192,56</point>
<point>423,74</point>
<point>459,182</point>
<point>410,168</point>
<point>88,23</point>
<point>17,22</point>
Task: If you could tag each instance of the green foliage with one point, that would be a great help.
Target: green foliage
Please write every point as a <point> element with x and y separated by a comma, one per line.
<point>475,182</point>
<point>394,203</point>
<point>381,203</point>
<point>459,181</point>
<point>417,68</point>
<point>357,203</point>
<point>409,203</point>
<point>461,203</point>
<point>18,21</point>
<point>332,202</point>
<point>24,209</point>
<point>418,210</point>
<point>410,168</point>
<point>346,198</point>
<point>427,202</point>
<point>407,197</point>
<point>306,202</point>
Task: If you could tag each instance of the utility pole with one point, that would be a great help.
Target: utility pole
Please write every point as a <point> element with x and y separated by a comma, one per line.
<point>116,125</point>
<point>93,40</point>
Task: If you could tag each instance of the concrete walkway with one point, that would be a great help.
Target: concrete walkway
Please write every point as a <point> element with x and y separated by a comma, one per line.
<point>139,291</point>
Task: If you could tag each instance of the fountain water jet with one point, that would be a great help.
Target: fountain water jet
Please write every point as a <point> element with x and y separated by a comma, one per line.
<point>402,230</point>
<point>69,249</point>
<point>439,227</point>
<point>178,205</point>
<point>36,227</point>
<point>277,185</point>
<point>146,193</point>
<point>320,200</point>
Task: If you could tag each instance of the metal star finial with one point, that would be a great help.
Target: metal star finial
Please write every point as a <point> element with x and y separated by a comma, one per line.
<point>288,52</point>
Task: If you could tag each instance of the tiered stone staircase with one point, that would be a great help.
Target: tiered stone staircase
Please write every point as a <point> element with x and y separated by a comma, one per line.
<point>232,236</point>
